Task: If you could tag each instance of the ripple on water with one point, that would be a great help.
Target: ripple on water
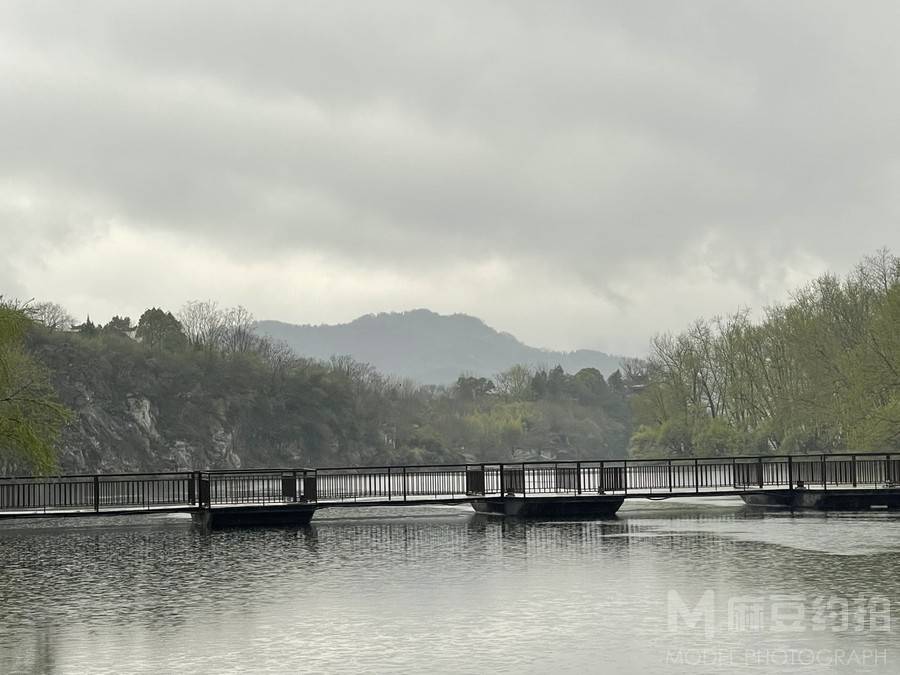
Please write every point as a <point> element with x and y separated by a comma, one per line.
<point>446,590</point>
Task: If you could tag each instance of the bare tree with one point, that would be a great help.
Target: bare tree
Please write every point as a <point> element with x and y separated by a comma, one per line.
<point>238,335</point>
<point>879,271</point>
<point>515,382</point>
<point>361,375</point>
<point>278,355</point>
<point>203,323</point>
<point>636,372</point>
<point>52,315</point>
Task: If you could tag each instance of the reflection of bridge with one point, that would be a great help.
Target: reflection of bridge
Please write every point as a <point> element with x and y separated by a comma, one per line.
<point>574,488</point>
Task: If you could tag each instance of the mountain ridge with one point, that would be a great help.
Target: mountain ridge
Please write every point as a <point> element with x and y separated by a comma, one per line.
<point>428,347</point>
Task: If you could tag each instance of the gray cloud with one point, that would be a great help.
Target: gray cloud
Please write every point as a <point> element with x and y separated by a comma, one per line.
<point>579,173</point>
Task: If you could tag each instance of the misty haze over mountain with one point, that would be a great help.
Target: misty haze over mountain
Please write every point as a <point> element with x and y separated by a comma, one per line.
<point>585,173</point>
<point>428,347</point>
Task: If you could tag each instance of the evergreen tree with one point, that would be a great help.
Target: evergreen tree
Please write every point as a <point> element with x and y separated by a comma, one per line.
<point>160,330</point>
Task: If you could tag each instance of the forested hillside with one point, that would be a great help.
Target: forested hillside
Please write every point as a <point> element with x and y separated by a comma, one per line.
<point>202,390</point>
<point>428,347</point>
<point>818,374</point>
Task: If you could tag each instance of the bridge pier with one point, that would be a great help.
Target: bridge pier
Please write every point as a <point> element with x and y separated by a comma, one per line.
<point>254,516</point>
<point>827,500</point>
<point>597,506</point>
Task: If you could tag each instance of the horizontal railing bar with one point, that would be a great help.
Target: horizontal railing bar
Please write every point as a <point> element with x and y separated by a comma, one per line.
<point>258,470</point>
<point>102,475</point>
<point>860,456</point>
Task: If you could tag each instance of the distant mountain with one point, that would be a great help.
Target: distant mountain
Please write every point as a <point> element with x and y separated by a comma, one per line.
<point>428,347</point>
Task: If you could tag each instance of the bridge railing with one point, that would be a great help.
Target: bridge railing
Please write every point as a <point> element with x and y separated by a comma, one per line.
<point>403,483</point>
<point>701,475</point>
<point>29,494</point>
<point>257,487</point>
<point>453,482</point>
<point>741,473</point>
<point>98,492</point>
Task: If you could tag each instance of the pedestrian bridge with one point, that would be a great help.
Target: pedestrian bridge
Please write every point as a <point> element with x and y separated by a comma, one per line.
<point>536,489</point>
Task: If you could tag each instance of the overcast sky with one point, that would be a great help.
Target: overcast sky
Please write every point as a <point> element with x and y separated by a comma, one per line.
<point>581,174</point>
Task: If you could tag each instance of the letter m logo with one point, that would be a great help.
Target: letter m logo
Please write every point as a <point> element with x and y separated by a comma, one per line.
<point>703,614</point>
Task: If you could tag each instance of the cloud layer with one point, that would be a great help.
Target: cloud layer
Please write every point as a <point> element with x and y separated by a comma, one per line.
<point>582,174</point>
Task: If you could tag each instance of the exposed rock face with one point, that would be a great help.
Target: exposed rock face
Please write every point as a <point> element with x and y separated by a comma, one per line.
<point>137,415</point>
<point>139,407</point>
<point>123,435</point>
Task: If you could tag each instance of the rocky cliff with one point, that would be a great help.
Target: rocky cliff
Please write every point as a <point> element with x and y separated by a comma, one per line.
<point>139,411</point>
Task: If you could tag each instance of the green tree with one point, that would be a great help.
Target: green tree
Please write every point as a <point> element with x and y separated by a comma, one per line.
<point>557,382</point>
<point>31,416</point>
<point>88,328</point>
<point>589,387</point>
<point>873,408</point>
<point>160,330</point>
<point>515,383</point>
<point>118,325</point>
<point>473,388</point>
<point>616,383</point>
<point>817,375</point>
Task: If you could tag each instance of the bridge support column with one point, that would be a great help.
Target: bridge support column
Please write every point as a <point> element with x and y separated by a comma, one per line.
<point>852,499</point>
<point>600,506</point>
<point>291,515</point>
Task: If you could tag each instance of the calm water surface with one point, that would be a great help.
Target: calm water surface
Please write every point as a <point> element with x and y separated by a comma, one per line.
<point>670,587</point>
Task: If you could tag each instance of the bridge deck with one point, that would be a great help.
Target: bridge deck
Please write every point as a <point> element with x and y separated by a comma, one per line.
<point>186,492</point>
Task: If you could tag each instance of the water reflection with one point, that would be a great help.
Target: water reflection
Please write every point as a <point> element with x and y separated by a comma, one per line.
<point>446,590</point>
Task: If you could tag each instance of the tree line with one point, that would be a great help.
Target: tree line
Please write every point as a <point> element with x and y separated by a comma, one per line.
<point>818,374</point>
<point>204,367</point>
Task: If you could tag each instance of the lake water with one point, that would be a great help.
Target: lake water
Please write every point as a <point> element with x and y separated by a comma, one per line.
<point>691,587</point>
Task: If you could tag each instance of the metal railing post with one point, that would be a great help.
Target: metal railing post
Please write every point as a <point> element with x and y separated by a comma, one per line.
<point>853,469</point>
<point>404,483</point>
<point>790,467</point>
<point>578,478</point>
<point>696,475</point>
<point>670,474</point>
<point>96,494</point>
<point>824,473</point>
<point>524,487</point>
